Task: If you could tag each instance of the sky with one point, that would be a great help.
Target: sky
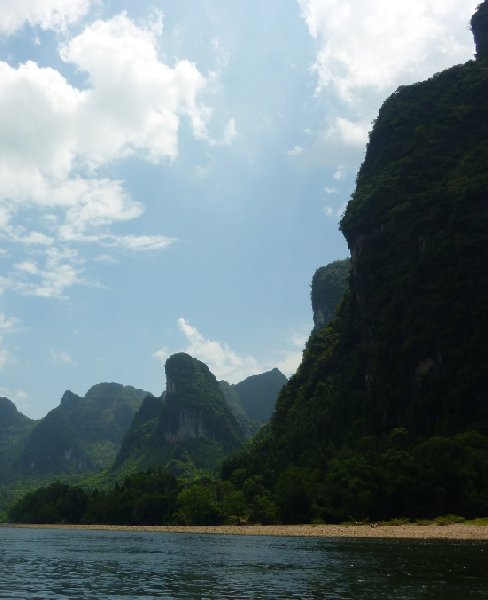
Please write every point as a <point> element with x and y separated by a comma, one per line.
<point>172,173</point>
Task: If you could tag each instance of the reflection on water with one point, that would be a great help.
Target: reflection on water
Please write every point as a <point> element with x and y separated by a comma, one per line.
<point>40,564</point>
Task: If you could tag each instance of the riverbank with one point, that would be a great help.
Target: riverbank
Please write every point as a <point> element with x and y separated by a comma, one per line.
<point>458,531</point>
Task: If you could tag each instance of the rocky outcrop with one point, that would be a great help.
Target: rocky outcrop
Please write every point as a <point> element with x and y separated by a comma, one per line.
<point>479,27</point>
<point>193,417</point>
<point>329,284</point>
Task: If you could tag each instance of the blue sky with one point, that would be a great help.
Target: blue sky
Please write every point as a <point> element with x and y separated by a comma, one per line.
<point>172,174</point>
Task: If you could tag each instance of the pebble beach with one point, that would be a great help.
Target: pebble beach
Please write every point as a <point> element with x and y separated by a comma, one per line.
<point>458,531</point>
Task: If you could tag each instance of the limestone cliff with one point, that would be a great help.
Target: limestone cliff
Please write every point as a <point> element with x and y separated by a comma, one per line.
<point>329,284</point>
<point>193,418</point>
<point>388,412</point>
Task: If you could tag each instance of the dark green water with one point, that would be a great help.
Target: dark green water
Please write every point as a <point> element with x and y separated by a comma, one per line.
<point>37,563</point>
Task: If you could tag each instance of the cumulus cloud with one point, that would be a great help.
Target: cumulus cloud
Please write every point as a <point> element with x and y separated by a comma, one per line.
<point>220,358</point>
<point>381,43</point>
<point>222,361</point>
<point>227,364</point>
<point>55,136</point>
<point>365,50</point>
<point>8,324</point>
<point>61,269</point>
<point>46,14</point>
<point>135,101</point>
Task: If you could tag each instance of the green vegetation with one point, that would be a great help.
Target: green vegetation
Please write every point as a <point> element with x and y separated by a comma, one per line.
<point>77,442</point>
<point>248,426</point>
<point>81,434</point>
<point>151,498</point>
<point>387,415</point>
<point>258,394</point>
<point>14,431</point>
<point>329,284</point>
<point>193,417</point>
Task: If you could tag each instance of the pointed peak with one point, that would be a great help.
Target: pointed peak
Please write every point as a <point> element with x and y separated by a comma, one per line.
<point>479,27</point>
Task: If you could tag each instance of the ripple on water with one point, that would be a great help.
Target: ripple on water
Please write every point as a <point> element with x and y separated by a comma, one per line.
<point>45,564</point>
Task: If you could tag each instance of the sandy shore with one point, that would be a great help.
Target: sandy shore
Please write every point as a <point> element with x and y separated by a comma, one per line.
<point>447,532</point>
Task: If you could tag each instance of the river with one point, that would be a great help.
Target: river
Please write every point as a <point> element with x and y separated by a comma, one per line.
<point>43,563</point>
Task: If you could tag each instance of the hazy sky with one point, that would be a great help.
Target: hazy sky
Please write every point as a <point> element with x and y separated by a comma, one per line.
<point>172,173</point>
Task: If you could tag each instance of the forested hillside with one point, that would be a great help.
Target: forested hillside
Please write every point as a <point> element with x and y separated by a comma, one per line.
<point>388,413</point>
<point>193,417</point>
<point>81,434</point>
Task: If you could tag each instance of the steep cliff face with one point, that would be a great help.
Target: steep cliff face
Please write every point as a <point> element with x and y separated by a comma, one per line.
<point>193,419</point>
<point>329,284</point>
<point>195,408</point>
<point>397,380</point>
<point>479,27</point>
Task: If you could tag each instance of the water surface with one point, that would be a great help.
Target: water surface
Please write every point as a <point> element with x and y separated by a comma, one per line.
<point>44,563</point>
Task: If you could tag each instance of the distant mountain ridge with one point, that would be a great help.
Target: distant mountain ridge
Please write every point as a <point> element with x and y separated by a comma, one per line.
<point>14,431</point>
<point>82,434</point>
<point>258,394</point>
<point>121,430</point>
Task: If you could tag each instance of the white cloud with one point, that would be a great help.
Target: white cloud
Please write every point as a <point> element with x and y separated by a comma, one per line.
<point>8,324</point>
<point>106,259</point>
<point>61,270</point>
<point>220,358</point>
<point>289,362</point>
<point>17,396</point>
<point>334,212</point>
<point>54,136</point>
<point>330,190</point>
<point>46,14</point>
<point>222,361</point>
<point>365,50</point>
<point>137,243</point>
<point>135,101</point>
<point>295,151</point>
<point>381,43</point>
<point>230,132</point>
<point>61,357</point>
<point>291,359</point>
<point>347,132</point>
<point>37,238</point>
<point>339,173</point>
<point>162,354</point>
<point>229,365</point>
